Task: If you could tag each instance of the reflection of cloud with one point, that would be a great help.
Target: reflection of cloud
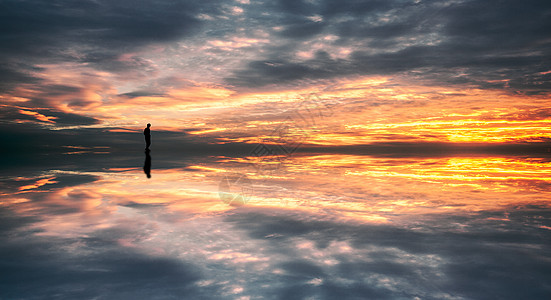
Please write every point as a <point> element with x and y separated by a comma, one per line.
<point>46,181</point>
<point>96,268</point>
<point>388,261</point>
<point>38,184</point>
<point>88,230</point>
<point>383,189</point>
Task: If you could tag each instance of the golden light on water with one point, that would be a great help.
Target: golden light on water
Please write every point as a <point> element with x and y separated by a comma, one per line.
<point>353,187</point>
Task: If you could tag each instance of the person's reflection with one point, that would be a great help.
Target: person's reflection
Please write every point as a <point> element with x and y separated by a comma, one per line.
<point>147,164</point>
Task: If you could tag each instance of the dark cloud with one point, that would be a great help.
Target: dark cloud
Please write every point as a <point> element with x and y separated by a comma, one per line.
<point>132,204</point>
<point>137,94</point>
<point>301,29</point>
<point>332,8</point>
<point>33,26</point>
<point>12,74</point>
<point>94,32</point>
<point>482,41</point>
<point>283,71</point>
<point>56,117</point>
<point>355,30</point>
<point>299,7</point>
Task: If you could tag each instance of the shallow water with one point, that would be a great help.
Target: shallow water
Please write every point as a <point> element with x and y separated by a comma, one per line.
<point>92,225</point>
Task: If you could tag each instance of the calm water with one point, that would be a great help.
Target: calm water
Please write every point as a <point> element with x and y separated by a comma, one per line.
<point>93,226</point>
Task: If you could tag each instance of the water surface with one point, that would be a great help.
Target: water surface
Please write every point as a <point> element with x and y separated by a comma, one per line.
<point>310,226</point>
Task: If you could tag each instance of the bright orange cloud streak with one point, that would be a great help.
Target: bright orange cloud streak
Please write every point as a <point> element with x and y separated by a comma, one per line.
<point>38,116</point>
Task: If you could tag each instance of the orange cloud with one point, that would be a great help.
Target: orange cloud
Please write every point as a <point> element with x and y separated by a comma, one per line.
<point>38,116</point>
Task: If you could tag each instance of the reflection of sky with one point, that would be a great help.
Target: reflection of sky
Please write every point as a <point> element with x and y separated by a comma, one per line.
<point>320,226</point>
<point>422,172</point>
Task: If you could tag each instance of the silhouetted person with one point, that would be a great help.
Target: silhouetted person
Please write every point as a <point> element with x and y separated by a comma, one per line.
<point>147,134</point>
<point>147,164</point>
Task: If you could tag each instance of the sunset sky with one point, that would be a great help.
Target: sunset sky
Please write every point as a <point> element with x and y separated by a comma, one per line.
<point>233,71</point>
<point>301,149</point>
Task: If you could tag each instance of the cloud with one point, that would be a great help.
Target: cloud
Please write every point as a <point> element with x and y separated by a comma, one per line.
<point>45,116</point>
<point>462,42</point>
<point>92,32</point>
<point>495,44</point>
<point>12,74</point>
<point>301,28</point>
<point>32,25</point>
<point>141,93</point>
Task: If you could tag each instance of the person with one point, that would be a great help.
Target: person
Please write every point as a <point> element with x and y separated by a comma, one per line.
<point>147,134</point>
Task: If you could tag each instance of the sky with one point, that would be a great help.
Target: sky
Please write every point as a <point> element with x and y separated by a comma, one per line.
<point>301,149</point>
<point>223,72</point>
